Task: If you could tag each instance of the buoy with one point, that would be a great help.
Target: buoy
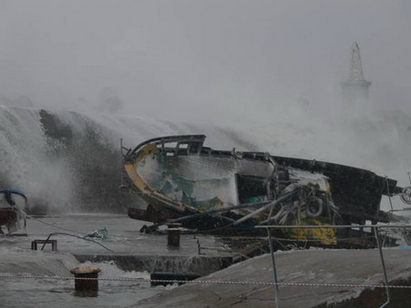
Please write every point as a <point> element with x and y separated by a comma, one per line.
<point>86,281</point>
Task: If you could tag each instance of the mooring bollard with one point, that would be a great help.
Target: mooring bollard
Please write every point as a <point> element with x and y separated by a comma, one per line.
<point>86,281</point>
<point>173,233</point>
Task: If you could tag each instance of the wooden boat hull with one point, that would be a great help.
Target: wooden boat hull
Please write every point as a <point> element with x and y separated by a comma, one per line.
<point>181,178</point>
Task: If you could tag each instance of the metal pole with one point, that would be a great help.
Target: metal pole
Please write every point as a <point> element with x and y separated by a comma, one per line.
<point>277,288</point>
<point>389,197</point>
<point>121,163</point>
<point>387,290</point>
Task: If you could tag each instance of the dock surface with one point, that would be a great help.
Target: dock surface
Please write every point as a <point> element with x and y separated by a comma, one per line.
<point>239,285</point>
<point>124,244</point>
<point>321,267</point>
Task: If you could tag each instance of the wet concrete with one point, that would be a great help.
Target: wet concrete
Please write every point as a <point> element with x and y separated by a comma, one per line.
<point>199,265</point>
<point>125,245</point>
<point>133,251</point>
<point>360,267</point>
<point>133,255</point>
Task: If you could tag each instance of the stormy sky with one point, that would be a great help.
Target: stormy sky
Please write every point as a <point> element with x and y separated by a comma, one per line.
<point>200,60</point>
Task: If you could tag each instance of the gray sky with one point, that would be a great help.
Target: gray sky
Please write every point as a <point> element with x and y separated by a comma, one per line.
<point>200,59</point>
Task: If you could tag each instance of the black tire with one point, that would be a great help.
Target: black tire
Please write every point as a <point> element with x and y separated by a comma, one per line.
<point>314,207</point>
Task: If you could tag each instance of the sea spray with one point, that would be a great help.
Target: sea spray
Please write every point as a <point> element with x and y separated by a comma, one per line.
<point>70,161</point>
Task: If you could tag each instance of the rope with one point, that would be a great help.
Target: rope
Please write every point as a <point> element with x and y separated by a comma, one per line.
<point>208,282</point>
<point>51,225</point>
<point>80,237</point>
<point>61,233</point>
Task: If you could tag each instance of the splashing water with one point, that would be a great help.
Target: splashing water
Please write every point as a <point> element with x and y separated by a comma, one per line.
<point>67,161</point>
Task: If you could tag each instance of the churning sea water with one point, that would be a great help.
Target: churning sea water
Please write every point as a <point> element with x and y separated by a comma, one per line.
<point>53,285</point>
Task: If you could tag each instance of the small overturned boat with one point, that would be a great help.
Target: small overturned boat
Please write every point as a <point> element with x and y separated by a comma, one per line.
<point>13,206</point>
<point>218,191</point>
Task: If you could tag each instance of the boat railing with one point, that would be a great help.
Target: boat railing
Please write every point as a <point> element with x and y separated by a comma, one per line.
<point>192,144</point>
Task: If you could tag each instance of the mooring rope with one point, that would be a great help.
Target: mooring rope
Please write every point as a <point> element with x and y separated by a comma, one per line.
<point>67,234</point>
<point>49,224</point>
<point>72,235</point>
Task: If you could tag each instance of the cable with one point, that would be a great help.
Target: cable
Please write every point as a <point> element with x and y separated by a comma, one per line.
<point>86,239</point>
<point>45,223</point>
<point>83,238</point>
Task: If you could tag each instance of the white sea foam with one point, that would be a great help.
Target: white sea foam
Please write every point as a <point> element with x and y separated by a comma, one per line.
<point>60,170</point>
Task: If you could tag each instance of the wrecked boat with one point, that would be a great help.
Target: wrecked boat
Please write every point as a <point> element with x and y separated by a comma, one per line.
<point>13,206</point>
<point>230,191</point>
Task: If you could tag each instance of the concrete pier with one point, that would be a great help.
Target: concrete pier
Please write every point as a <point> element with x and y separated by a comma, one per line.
<point>227,286</point>
<point>129,249</point>
<point>189,264</point>
<point>321,267</point>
